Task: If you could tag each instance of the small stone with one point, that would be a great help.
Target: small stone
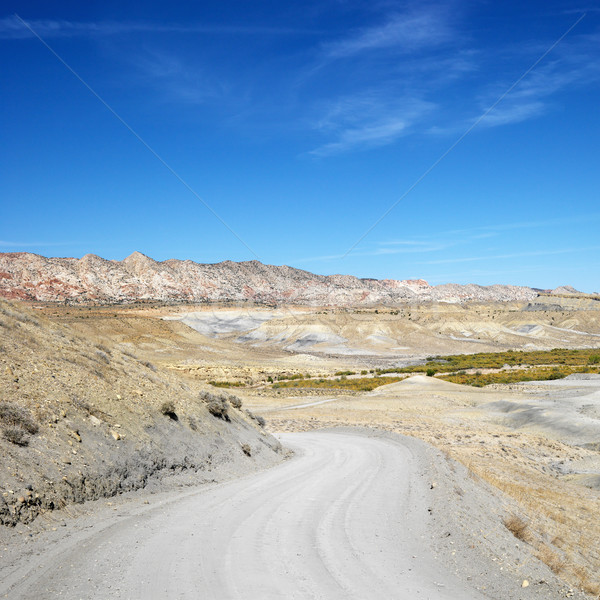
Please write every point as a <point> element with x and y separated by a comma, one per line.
<point>95,420</point>
<point>525,583</point>
<point>119,397</point>
<point>116,435</point>
<point>21,499</point>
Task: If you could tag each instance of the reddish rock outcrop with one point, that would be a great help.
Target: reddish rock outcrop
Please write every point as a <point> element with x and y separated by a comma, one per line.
<point>93,279</point>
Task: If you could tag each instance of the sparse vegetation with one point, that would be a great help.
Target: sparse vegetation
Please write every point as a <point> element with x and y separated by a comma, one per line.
<point>217,405</point>
<point>260,420</point>
<point>517,526</point>
<point>17,416</point>
<point>218,409</point>
<point>497,360</point>
<point>226,384</point>
<point>16,435</point>
<point>479,379</point>
<point>235,401</point>
<point>168,409</point>
<point>510,366</point>
<point>360,384</point>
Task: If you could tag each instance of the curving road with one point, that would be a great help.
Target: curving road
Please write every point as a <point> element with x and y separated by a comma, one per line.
<point>343,519</point>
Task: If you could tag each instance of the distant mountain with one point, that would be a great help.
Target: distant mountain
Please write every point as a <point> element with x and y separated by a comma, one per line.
<point>92,279</point>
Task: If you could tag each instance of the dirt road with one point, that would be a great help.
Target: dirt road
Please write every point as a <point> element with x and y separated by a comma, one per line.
<point>345,518</point>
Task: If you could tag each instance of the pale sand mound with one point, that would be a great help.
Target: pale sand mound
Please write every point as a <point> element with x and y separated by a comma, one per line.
<point>420,383</point>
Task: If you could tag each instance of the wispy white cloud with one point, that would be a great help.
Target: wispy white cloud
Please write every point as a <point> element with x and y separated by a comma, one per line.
<point>542,223</point>
<point>515,112</point>
<point>7,244</point>
<point>175,80</point>
<point>389,248</point>
<point>573,64</point>
<point>13,28</point>
<point>368,120</point>
<point>368,135</point>
<point>443,241</point>
<point>404,32</point>
<point>509,255</point>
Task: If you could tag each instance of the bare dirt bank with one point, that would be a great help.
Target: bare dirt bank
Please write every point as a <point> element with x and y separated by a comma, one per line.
<point>81,419</point>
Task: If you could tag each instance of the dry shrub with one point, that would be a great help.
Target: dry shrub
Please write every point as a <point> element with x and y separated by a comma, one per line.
<point>218,408</point>
<point>16,435</point>
<point>551,558</point>
<point>517,526</point>
<point>260,420</point>
<point>17,416</point>
<point>235,402</point>
<point>168,409</point>
<point>217,404</point>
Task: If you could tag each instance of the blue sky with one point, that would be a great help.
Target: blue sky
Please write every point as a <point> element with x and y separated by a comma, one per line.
<point>334,136</point>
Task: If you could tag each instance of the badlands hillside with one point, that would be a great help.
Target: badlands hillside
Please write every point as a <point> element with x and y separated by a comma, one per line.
<point>93,279</point>
<point>82,418</point>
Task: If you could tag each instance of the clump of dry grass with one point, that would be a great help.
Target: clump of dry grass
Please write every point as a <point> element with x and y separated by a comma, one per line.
<point>564,512</point>
<point>518,527</point>
<point>17,416</point>
<point>551,558</point>
<point>15,435</point>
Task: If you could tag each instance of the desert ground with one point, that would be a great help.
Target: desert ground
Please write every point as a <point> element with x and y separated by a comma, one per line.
<point>470,492</point>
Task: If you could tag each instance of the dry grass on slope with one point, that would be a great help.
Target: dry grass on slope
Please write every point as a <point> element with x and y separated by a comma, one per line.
<point>81,419</point>
<point>556,517</point>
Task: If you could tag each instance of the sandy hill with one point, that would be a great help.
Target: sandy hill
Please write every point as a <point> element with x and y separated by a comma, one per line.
<point>81,419</point>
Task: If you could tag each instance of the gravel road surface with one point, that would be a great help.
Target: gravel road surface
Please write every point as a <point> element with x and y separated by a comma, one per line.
<point>345,518</point>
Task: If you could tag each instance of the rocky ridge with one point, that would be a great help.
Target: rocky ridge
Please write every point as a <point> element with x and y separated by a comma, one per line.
<point>93,279</point>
